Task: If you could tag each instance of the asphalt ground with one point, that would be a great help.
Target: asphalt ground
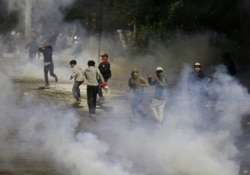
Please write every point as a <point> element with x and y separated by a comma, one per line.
<point>61,93</point>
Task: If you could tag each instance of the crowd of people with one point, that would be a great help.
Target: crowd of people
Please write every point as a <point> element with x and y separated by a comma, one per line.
<point>66,37</point>
<point>71,38</point>
<point>96,77</point>
<point>59,40</point>
<point>201,87</point>
<point>199,84</point>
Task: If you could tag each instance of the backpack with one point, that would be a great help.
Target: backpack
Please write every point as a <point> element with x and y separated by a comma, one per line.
<point>104,68</point>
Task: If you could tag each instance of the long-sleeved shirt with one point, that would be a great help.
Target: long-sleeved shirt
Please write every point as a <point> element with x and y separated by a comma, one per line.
<point>47,54</point>
<point>77,73</point>
<point>137,84</point>
<point>160,87</point>
<point>92,75</point>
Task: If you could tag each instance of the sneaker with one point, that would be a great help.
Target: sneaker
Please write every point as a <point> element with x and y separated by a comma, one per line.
<point>101,101</point>
<point>56,79</point>
<point>46,87</point>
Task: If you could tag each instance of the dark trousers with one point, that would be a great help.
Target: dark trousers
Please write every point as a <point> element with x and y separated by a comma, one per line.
<point>76,89</point>
<point>91,97</point>
<point>48,69</point>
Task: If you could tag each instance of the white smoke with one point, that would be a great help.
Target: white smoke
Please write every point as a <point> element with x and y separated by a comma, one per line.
<point>44,16</point>
<point>39,130</point>
<point>195,138</point>
<point>47,9</point>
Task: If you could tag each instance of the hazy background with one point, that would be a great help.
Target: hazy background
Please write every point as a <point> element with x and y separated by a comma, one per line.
<point>194,139</point>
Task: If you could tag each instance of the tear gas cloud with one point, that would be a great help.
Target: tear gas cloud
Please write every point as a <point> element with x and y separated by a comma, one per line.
<point>182,49</point>
<point>42,131</point>
<point>196,138</point>
<point>47,19</point>
<point>48,10</point>
<point>192,141</point>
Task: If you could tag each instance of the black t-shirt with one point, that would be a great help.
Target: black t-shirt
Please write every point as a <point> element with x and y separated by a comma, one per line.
<point>104,68</point>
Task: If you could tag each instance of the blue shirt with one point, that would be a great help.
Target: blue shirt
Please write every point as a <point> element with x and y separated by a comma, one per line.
<point>160,87</point>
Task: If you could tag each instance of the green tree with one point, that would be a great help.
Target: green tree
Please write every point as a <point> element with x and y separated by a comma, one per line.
<point>159,19</point>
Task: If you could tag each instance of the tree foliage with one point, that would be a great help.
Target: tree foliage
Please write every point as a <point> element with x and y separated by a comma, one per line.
<point>160,19</point>
<point>8,20</point>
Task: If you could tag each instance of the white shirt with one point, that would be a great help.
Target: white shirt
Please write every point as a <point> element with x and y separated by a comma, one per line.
<point>92,74</point>
<point>78,73</point>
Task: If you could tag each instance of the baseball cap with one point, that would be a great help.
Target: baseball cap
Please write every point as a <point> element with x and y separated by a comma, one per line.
<point>134,70</point>
<point>104,55</point>
<point>197,64</point>
<point>159,68</point>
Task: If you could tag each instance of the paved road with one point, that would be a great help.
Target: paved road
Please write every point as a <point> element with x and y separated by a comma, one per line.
<point>105,125</point>
<point>61,93</point>
<point>58,93</point>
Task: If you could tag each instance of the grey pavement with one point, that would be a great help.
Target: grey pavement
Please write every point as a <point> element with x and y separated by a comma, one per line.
<point>61,93</point>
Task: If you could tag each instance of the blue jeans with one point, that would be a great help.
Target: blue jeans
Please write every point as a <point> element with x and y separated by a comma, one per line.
<point>100,91</point>
<point>138,98</point>
<point>48,69</point>
<point>76,89</point>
